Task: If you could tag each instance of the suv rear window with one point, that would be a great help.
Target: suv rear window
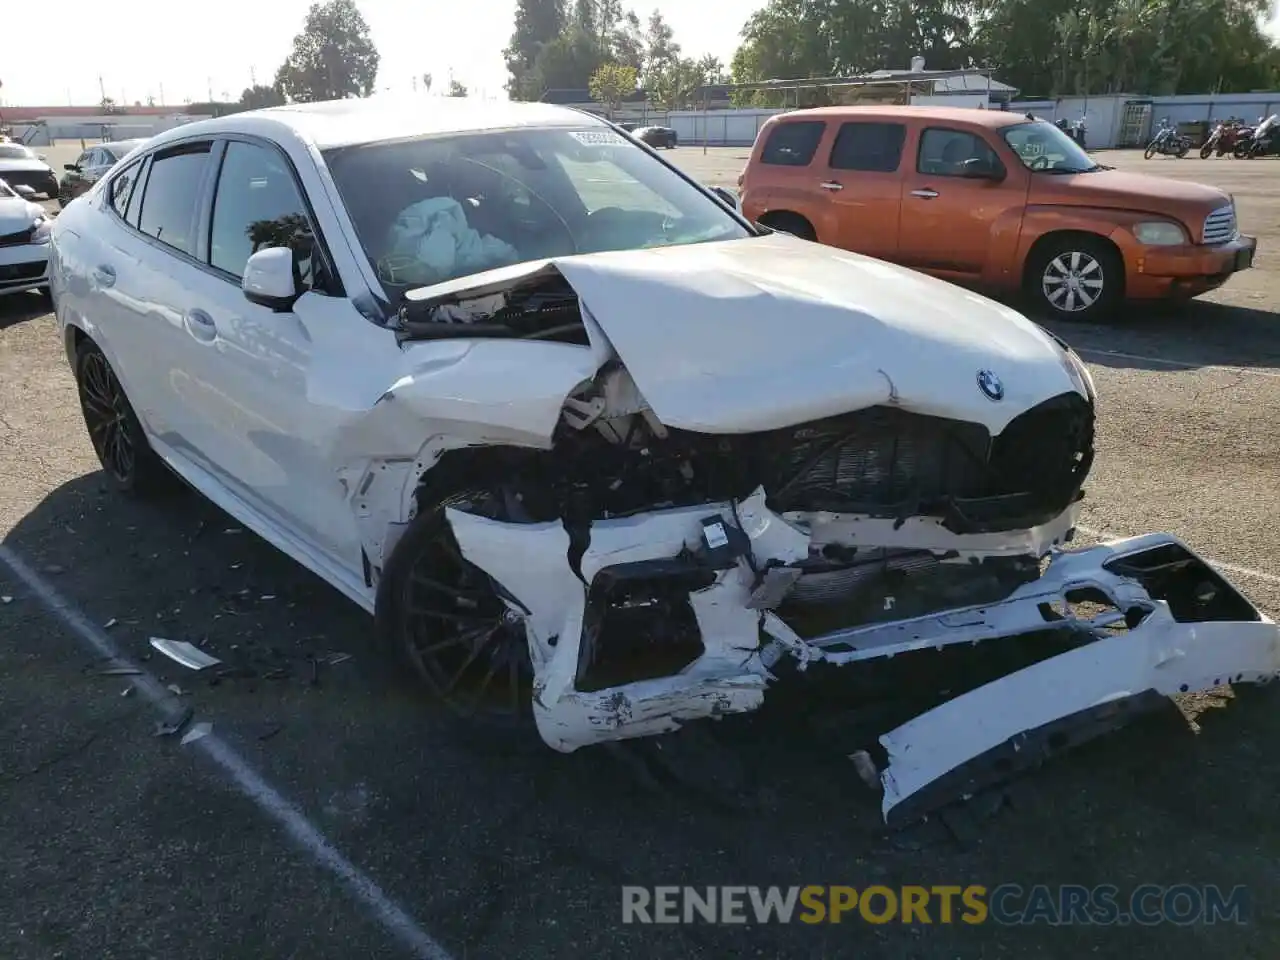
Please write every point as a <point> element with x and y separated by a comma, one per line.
<point>868,146</point>
<point>793,144</point>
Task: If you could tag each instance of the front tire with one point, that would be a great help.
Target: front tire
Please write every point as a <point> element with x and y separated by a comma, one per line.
<point>1206,151</point>
<point>1076,278</point>
<point>1150,151</point>
<point>118,439</point>
<point>445,617</point>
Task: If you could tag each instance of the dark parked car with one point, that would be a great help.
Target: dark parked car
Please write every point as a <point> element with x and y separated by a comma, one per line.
<point>20,167</point>
<point>91,165</point>
<point>657,137</point>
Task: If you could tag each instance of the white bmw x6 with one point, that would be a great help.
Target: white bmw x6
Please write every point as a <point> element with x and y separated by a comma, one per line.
<point>592,447</point>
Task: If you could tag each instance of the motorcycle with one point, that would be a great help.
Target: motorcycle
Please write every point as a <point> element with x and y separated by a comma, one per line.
<point>1265,140</point>
<point>1223,139</point>
<point>1167,142</point>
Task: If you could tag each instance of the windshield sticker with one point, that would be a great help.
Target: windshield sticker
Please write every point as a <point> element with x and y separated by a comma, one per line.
<point>598,138</point>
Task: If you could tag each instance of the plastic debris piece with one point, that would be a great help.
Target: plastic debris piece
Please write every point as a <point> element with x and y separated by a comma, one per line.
<point>120,672</point>
<point>233,530</point>
<point>110,623</point>
<point>6,599</point>
<point>267,596</point>
<point>127,691</point>
<point>866,768</point>
<point>179,651</point>
<point>334,659</point>
<point>197,732</point>
<point>167,728</point>
<point>176,690</point>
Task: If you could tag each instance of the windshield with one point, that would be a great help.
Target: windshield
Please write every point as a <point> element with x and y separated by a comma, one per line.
<point>433,209</point>
<point>1042,147</point>
<point>15,151</point>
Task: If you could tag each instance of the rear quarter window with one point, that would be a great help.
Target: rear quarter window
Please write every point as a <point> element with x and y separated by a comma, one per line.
<point>793,144</point>
<point>872,147</point>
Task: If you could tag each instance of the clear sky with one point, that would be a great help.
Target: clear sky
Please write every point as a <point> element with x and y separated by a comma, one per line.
<point>177,51</point>
<point>138,45</point>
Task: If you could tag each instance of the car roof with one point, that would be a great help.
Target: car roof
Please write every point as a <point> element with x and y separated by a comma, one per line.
<point>984,118</point>
<point>336,123</point>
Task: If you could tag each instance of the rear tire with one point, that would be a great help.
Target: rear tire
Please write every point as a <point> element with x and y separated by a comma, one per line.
<point>1183,149</point>
<point>1076,278</point>
<point>118,439</point>
<point>1240,151</point>
<point>791,223</point>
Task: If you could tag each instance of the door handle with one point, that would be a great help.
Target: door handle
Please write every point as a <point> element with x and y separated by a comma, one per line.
<point>925,194</point>
<point>104,275</point>
<point>200,325</point>
<point>831,185</point>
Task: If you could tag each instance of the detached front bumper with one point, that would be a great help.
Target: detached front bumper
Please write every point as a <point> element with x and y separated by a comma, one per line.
<point>1166,623</point>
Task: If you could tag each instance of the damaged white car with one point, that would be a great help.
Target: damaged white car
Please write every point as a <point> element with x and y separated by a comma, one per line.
<point>592,447</point>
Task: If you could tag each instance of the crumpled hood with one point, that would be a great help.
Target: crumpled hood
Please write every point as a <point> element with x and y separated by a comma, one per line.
<point>1116,190</point>
<point>18,214</point>
<point>768,332</point>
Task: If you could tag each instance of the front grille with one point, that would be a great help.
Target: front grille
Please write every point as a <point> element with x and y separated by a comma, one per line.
<point>889,463</point>
<point>21,272</point>
<point>17,239</point>
<point>1220,226</point>
<point>881,458</point>
<point>37,180</point>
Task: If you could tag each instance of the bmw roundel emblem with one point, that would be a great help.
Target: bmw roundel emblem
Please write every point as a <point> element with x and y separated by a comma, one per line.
<point>990,385</point>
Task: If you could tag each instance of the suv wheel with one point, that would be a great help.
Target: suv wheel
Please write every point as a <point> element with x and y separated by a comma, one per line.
<point>114,430</point>
<point>1077,278</point>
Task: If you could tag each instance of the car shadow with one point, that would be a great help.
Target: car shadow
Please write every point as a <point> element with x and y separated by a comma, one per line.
<point>1167,337</point>
<point>772,802</point>
<point>16,308</point>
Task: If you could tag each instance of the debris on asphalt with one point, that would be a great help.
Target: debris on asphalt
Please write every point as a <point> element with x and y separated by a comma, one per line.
<point>119,672</point>
<point>267,596</point>
<point>233,530</point>
<point>54,568</point>
<point>175,724</point>
<point>110,623</point>
<point>333,659</point>
<point>176,690</point>
<point>6,599</point>
<point>191,657</point>
<point>127,691</point>
<point>866,768</point>
<point>197,732</point>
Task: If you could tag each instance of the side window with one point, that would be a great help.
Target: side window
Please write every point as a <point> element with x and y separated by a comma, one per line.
<point>257,206</point>
<point>85,159</point>
<point>171,194</point>
<point>793,144</point>
<point>121,188</point>
<point>944,152</point>
<point>868,146</point>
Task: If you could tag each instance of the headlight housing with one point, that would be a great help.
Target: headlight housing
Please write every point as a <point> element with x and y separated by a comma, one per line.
<point>1075,367</point>
<point>43,227</point>
<point>1160,233</point>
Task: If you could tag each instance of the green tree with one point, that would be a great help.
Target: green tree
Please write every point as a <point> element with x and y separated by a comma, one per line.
<point>611,83</point>
<point>259,96</point>
<point>660,47</point>
<point>567,62</point>
<point>456,89</point>
<point>332,58</point>
<point>672,83</point>
<point>538,23</point>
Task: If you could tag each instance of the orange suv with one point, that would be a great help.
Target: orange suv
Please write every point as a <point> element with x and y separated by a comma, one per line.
<point>990,199</point>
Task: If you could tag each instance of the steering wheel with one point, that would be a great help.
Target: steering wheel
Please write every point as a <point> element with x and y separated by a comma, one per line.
<point>1040,163</point>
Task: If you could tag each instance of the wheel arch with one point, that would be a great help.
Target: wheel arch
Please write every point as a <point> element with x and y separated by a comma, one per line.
<point>776,218</point>
<point>1053,237</point>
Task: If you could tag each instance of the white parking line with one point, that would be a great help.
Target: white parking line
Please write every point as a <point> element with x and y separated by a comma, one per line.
<point>1221,565</point>
<point>247,780</point>
<point>1181,364</point>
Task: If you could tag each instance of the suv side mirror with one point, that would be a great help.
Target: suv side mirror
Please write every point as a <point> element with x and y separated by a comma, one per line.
<point>269,279</point>
<point>73,167</point>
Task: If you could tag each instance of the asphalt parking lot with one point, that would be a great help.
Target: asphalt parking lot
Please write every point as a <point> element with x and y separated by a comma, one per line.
<point>335,815</point>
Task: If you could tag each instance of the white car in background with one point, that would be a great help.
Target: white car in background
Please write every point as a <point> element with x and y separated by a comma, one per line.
<point>24,243</point>
<point>589,445</point>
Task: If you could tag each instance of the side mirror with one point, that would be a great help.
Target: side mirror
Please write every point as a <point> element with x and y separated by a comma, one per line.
<point>269,279</point>
<point>976,168</point>
<point>73,167</point>
<point>729,197</point>
<point>41,157</point>
<point>24,191</point>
